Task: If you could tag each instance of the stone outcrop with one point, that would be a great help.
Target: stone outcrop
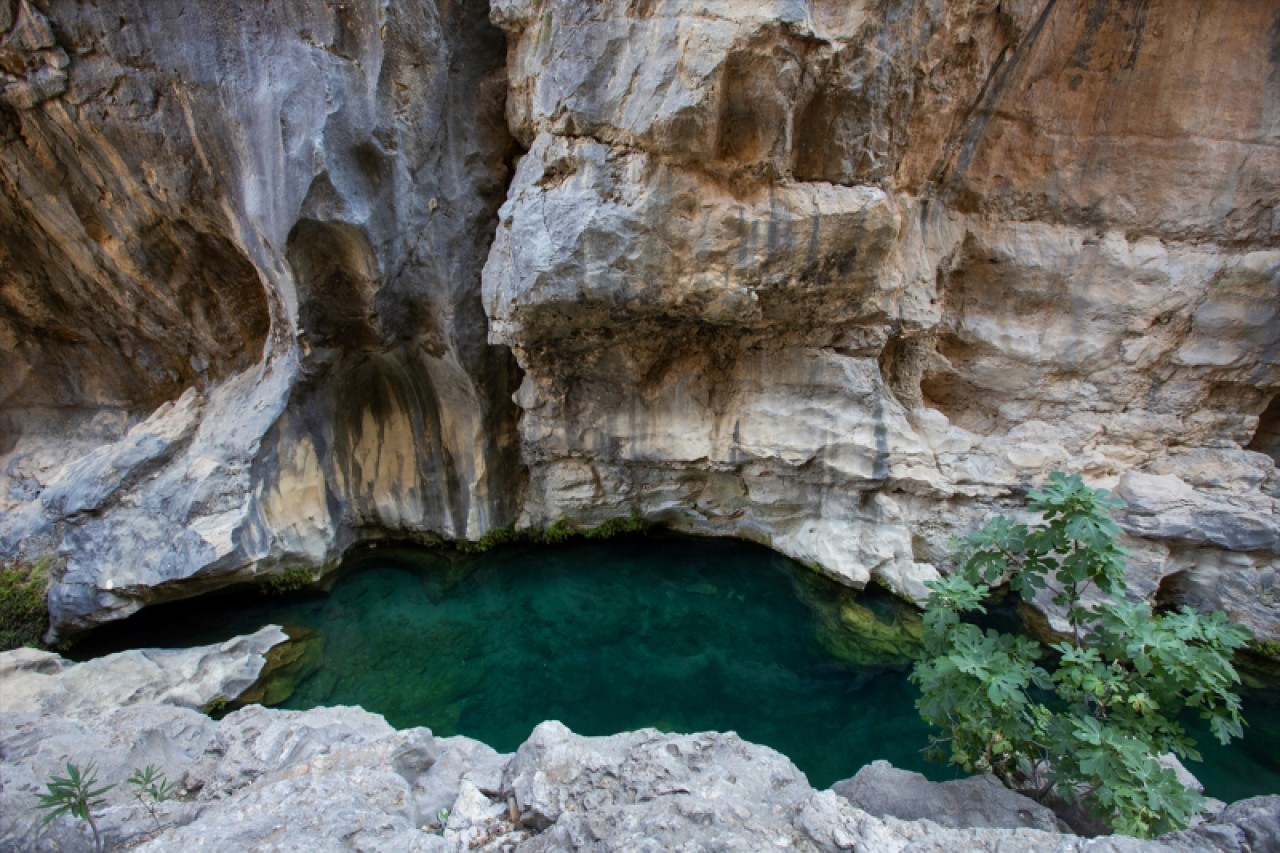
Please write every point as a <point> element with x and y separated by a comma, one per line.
<point>846,282</point>
<point>240,310</point>
<point>342,779</point>
<point>40,682</point>
<point>799,271</point>
<point>979,801</point>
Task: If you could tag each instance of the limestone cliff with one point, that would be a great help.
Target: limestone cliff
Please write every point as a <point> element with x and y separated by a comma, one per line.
<point>842,277</point>
<point>240,308</point>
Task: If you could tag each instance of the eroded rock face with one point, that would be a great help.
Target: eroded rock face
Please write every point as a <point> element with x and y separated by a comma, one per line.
<point>881,789</point>
<point>40,682</point>
<point>800,271</point>
<point>846,282</point>
<point>240,307</point>
<point>342,779</point>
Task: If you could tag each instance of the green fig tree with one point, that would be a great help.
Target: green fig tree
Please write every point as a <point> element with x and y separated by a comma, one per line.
<point>1088,718</point>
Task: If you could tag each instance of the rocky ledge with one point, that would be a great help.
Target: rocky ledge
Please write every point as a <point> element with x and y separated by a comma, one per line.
<point>343,779</point>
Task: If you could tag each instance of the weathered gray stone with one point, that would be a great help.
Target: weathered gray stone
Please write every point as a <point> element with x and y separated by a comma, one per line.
<point>342,779</point>
<point>664,252</point>
<point>231,240</point>
<point>981,801</point>
<point>1164,507</point>
<point>33,681</point>
<point>1248,826</point>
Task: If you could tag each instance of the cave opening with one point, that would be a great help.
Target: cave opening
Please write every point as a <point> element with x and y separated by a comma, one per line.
<point>1266,439</point>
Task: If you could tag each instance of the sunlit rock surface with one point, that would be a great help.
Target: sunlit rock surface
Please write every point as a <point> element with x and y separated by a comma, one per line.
<point>848,283</point>
<point>39,682</point>
<point>342,779</point>
<point>798,271</point>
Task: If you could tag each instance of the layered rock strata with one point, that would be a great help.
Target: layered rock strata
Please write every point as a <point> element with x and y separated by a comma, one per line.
<point>845,282</point>
<point>840,277</point>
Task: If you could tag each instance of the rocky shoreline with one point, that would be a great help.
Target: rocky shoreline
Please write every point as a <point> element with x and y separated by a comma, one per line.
<point>343,779</point>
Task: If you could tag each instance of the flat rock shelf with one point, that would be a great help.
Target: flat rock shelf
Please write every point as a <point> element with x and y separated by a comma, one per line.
<point>678,633</point>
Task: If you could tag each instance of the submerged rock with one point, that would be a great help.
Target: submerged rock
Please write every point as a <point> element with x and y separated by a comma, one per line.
<point>862,632</point>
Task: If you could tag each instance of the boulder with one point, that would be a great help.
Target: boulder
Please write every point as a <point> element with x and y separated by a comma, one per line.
<point>979,801</point>
<point>338,779</point>
<point>1247,826</point>
<point>36,681</point>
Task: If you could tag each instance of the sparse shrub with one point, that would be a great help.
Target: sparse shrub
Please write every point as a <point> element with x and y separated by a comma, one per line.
<point>286,582</point>
<point>24,613</point>
<point>1093,728</point>
<point>633,523</point>
<point>561,530</point>
<point>492,539</point>
<point>1266,648</point>
<point>150,788</point>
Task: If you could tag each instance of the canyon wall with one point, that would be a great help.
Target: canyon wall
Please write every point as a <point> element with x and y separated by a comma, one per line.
<point>240,309</point>
<point>843,277</point>
<point>840,277</point>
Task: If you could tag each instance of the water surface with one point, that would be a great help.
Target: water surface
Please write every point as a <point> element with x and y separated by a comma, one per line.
<point>677,633</point>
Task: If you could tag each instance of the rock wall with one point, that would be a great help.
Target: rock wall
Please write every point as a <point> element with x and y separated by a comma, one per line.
<point>840,277</point>
<point>846,277</point>
<point>240,307</point>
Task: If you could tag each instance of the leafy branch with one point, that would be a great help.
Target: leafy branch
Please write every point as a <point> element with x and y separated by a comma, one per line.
<point>1093,728</point>
<point>151,788</point>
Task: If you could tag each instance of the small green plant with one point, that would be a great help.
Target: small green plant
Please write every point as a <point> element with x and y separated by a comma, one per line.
<point>560,531</point>
<point>1093,728</point>
<point>1266,648</point>
<point>286,582</point>
<point>150,788</point>
<point>633,523</point>
<point>24,615</point>
<point>216,706</point>
<point>76,795</point>
<point>492,539</point>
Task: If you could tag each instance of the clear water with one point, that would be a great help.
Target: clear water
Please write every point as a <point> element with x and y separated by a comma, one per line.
<point>676,633</point>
